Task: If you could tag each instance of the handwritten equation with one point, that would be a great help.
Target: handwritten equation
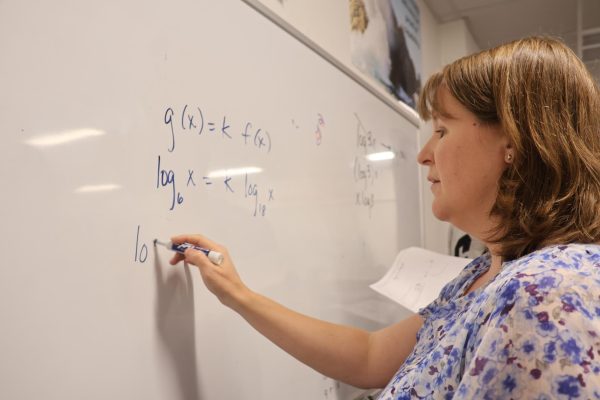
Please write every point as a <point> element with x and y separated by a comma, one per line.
<point>234,184</point>
<point>180,180</point>
<point>191,120</point>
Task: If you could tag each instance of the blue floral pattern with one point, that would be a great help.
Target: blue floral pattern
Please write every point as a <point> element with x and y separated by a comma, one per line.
<point>533,332</point>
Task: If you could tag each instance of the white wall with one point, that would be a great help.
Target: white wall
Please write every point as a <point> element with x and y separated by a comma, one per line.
<point>456,41</point>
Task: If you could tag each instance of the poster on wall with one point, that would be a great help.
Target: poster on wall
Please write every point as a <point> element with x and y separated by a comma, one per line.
<point>385,44</point>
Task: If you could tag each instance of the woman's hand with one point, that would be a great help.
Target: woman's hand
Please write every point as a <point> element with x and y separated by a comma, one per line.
<point>222,280</point>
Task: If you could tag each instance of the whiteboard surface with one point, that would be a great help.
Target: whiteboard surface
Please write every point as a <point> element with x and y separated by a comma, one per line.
<point>126,121</point>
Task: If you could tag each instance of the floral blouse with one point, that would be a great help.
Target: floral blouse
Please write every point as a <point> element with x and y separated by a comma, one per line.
<point>533,332</point>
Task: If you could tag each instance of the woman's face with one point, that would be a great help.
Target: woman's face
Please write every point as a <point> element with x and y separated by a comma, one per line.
<point>466,159</point>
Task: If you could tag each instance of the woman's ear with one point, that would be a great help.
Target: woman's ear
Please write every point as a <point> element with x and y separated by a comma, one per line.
<point>509,154</point>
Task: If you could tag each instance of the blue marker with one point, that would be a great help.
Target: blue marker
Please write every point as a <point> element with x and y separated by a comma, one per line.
<point>214,256</point>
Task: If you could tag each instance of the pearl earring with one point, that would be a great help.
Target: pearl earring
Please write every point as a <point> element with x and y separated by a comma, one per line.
<point>509,157</point>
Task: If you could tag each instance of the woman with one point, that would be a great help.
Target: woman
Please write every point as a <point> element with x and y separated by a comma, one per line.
<point>513,161</point>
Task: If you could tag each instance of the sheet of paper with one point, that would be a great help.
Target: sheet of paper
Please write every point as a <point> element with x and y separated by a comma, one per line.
<point>417,276</point>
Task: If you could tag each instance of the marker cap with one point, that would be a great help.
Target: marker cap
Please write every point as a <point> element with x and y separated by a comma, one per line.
<point>215,258</point>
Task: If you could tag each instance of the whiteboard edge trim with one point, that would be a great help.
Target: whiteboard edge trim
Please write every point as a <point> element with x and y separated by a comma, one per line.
<point>399,107</point>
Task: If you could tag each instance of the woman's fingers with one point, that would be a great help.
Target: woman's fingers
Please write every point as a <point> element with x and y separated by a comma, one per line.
<point>223,279</point>
<point>196,258</point>
<point>197,240</point>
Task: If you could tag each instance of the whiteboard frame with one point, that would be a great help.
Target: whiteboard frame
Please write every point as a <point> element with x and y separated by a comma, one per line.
<point>398,106</point>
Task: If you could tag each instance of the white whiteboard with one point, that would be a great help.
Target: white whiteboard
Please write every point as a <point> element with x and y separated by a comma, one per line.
<point>88,309</point>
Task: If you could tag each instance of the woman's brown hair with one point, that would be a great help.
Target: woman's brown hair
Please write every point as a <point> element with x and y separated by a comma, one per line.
<point>545,100</point>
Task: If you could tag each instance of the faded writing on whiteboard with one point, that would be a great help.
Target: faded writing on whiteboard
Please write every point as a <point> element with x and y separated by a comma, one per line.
<point>364,168</point>
<point>318,130</point>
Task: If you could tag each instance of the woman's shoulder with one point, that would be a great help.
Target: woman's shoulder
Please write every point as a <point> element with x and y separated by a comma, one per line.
<point>569,260</point>
<point>555,276</point>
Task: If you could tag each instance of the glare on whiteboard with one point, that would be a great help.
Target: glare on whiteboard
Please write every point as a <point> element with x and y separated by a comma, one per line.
<point>55,139</point>
<point>97,188</point>
<point>220,173</point>
<point>384,155</point>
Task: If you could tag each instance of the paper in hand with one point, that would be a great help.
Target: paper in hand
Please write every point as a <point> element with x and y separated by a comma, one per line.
<point>417,277</point>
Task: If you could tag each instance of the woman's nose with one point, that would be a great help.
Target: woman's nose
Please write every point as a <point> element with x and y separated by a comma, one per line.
<point>425,156</point>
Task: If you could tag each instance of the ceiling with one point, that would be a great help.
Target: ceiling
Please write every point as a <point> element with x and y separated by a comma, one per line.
<point>493,22</point>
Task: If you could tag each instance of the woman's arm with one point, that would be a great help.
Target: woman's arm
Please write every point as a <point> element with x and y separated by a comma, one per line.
<point>351,355</point>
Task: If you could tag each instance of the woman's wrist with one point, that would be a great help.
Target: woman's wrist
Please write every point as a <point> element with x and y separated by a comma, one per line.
<point>241,299</point>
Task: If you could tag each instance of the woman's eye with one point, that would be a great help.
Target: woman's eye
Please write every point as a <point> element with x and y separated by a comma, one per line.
<point>440,132</point>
